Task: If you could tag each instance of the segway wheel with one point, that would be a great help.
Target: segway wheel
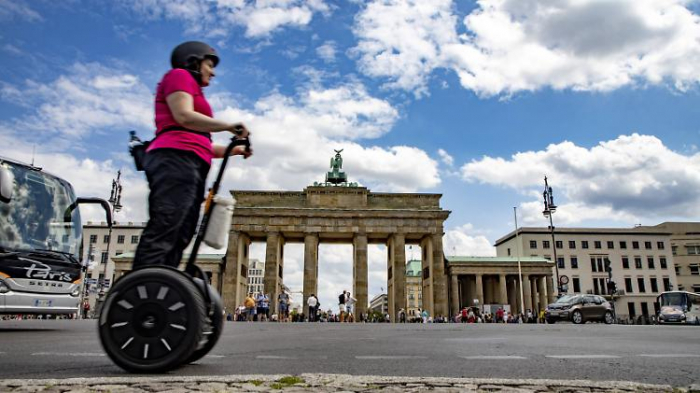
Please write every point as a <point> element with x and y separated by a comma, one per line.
<point>214,324</point>
<point>152,319</point>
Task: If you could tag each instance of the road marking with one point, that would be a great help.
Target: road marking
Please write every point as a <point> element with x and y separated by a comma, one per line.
<point>215,356</point>
<point>381,357</point>
<point>67,354</point>
<point>670,355</point>
<point>582,357</point>
<point>494,357</point>
<point>273,357</point>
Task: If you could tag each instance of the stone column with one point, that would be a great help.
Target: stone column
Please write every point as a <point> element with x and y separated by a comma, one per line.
<point>454,298</point>
<point>512,297</point>
<point>398,245</point>
<point>390,278</point>
<point>235,271</point>
<point>360,275</point>
<point>533,289</point>
<point>427,286</point>
<point>550,289</point>
<point>503,286</point>
<point>273,265</point>
<point>543,296</point>
<point>527,292</point>
<point>480,289</point>
<point>310,268</point>
<point>439,278</point>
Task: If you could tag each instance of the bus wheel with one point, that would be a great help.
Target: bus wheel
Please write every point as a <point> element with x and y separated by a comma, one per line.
<point>152,319</point>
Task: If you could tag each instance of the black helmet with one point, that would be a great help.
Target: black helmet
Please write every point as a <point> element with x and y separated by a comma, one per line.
<point>190,54</point>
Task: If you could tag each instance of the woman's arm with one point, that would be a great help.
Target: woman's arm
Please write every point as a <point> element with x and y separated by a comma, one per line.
<point>181,105</point>
<point>219,151</point>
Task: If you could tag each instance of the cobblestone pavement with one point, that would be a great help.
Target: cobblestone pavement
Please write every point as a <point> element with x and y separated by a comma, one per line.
<point>323,383</point>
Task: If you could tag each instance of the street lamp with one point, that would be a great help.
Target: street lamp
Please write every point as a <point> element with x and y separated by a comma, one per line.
<point>115,200</point>
<point>549,209</point>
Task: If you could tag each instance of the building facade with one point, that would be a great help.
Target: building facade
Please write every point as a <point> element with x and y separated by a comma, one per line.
<point>685,247</point>
<point>641,262</point>
<point>380,303</point>
<point>256,274</point>
<point>96,241</point>
<point>414,288</point>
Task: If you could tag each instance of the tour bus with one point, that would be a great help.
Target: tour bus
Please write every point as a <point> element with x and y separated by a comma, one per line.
<point>40,238</point>
<point>678,307</point>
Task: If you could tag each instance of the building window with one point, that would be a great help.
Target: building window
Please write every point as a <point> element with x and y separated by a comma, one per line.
<point>93,239</point>
<point>654,285</point>
<point>693,250</point>
<point>584,243</point>
<point>650,262</point>
<point>119,252</point>
<point>593,265</point>
<point>640,284</point>
<point>630,309</point>
<point>674,250</point>
<point>628,285</point>
<point>595,286</point>
<point>65,238</point>
<point>560,262</point>
<point>509,252</point>
<point>662,262</point>
<point>623,245</point>
<point>635,245</point>
<point>103,258</point>
<point>574,263</point>
<point>645,309</point>
<point>611,245</point>
<point>597,244</point>
<point>533,243</point>
<point>105,239</point>
<point>134,239</point>
<point>638,262</point>
<point>678,270</point>
<point>572,244</point>
<point>667,284</point>
<point>120,239</point>
<point>577,285</point>
<point>660,245</point>
<point>647,245</point>
<point>545,243</point>
<point>559,244</point>
<point>600,264</point>
<point>694,271</point>
<point>625,263</point>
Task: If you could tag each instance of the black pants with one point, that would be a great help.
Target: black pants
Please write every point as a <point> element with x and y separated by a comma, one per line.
<point>177,180</point>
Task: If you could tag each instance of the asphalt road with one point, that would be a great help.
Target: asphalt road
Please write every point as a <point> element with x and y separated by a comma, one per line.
<point>650,354</point>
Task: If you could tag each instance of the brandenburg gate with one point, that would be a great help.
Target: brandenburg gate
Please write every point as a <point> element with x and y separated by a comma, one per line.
<point>336,211</point>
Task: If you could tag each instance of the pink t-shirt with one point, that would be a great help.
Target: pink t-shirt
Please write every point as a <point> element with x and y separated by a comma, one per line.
<point>180,80</point>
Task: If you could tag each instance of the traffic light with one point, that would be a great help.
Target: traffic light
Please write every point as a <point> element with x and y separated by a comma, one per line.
<point>612,287</point>
<point>608,268</point>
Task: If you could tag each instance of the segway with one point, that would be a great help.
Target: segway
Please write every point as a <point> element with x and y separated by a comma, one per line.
<point>157,318</point>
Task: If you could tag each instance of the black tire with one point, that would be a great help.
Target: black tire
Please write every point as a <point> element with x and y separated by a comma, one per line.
<point>214,325</point>
<point>151,320</point>
<point>608,318</point>
<point>551,321</point>
<point>577,317</point>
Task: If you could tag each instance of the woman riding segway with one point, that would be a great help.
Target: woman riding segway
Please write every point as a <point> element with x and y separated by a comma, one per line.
<point>157,317</point>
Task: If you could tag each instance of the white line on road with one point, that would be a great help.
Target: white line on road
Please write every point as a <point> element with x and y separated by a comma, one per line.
<point>215,356</point>
<point>274,357</point>
<point>494,357</point>
<point>670,355</point>
<point>67,354</point>
<point>582,357</point>
<point>382,357</point>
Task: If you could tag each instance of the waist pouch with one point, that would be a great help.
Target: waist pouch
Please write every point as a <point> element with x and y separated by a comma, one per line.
<point>138,148</point>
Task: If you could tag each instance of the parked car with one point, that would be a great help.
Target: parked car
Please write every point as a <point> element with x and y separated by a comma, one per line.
<point>580,309</point>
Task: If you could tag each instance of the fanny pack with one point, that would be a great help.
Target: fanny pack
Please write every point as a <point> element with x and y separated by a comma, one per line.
<point>137,147</point>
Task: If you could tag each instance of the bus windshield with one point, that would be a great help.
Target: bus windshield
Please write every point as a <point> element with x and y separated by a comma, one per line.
<point>33,220</point>
<point>672,299</point>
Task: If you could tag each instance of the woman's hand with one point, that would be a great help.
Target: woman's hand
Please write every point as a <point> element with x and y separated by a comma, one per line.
<point>239,129</point>
<point>241,151</point>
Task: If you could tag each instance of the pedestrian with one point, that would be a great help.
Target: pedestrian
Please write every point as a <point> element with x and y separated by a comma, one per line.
<point>266,306</point>
<point>178,159</point>
<point>313,304</point>
<point>350,307</point>
<point>249,304</point>
<point>86,308</point>
<point>425,316</point>
<point>341,305</point>
<point>283,301</point>
<point>465,315</point>
<point>260,313</point>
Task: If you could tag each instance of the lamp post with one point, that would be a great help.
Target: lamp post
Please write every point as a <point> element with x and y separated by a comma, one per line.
<point>520,271</point>
<point>549,209</point>
<point>115,200</point>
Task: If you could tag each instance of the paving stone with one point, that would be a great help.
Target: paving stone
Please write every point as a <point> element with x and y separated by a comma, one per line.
<point>208,386</point>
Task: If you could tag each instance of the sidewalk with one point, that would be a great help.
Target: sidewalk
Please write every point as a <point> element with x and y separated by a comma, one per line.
<point>323,383</point>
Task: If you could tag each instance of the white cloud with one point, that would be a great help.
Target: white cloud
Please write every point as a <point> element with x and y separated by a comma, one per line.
<point>75,105</point>
<point>215,18</point>
<point>631,176</point>
<point>446,157</point>
<point>525,45</point>
<point>327,51</point>
<point>463,241</point>
<point>11,8</point>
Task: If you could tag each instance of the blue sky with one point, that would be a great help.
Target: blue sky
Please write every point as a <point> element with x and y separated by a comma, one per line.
<point>476,100</point>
